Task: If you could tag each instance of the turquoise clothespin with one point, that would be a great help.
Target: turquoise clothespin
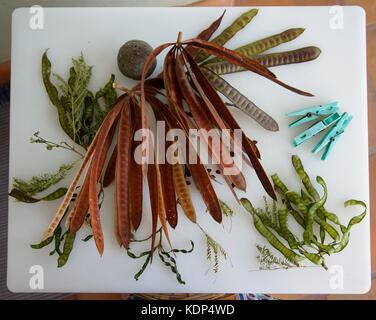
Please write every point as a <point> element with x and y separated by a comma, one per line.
<point>313,113</point>
<point>331,138</point>
<point>315,129</point>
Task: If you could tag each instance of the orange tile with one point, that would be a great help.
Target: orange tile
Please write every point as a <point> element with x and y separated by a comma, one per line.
<point>371,295</point>
<point>285,3</point>
<point>371,57</point>
<point>4,72</point>
<point>99,296</point>
<point>371,123</point>
<point>213,3</point>
<point>368,5</point>
<point>372,178</point>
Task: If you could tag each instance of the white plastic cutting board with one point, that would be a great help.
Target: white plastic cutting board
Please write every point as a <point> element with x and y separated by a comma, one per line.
<point>339,74</point>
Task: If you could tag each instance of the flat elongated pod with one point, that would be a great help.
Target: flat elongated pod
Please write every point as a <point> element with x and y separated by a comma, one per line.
<point>203,122</point>
<point>240,101</point>
<point>93,187</point>
<point>109,174</point>
<point>207,33</point>
<point>136,185</point>
<point>68,196</point>
<point>207,95</point>
<point>229,32</point>
<point>259,46</point>
<point>242,61</point>
<point>247,144</point>
<point>154,203</point>
<point>122,177</point>
<point>82,204</point>
<point>144,120</point>
<point>268,60</point>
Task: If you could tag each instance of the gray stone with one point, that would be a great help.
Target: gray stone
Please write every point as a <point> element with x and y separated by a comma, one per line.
<point>132,57</point>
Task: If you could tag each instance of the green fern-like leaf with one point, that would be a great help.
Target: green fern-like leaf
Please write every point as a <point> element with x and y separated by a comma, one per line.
<point>38,184</point>
<point>213,251</point>
<point>268,261</point>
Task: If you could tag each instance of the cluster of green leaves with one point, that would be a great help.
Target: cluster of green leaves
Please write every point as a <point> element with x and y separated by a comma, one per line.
<point>165,256</point>
<point>308,210</point>
<point>80,115</point>
<point>80,111</point>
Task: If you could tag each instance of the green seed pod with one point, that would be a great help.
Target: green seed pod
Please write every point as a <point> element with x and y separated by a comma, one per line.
<point>54,97</point>
<point>282,218</point>
<point>257,47</point>
<point>297,216</point>
<point>68,246</point>
<point>21,196</point>
<point>310,217</point>
<point>315,258</point>
<point>355,220</point>
<point>264,231</point>
<point>277,181</point>
<point>55,195</point>
<point>229,32</point>
<point>297,163</point>
<point>43,243</point>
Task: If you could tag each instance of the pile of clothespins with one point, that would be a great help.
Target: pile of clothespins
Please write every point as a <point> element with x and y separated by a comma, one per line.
<point>328,116</point>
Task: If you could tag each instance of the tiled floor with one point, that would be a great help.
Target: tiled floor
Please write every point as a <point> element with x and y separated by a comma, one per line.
<point>370,8</point>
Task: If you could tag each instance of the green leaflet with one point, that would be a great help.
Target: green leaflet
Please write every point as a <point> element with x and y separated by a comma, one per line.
<point>87,238</point>
<point>54,97</point>
<point>226,210</point>
<point>38,184</point>
<point>213,250</point>
<point>75,92</point>
<point>268,261</point>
